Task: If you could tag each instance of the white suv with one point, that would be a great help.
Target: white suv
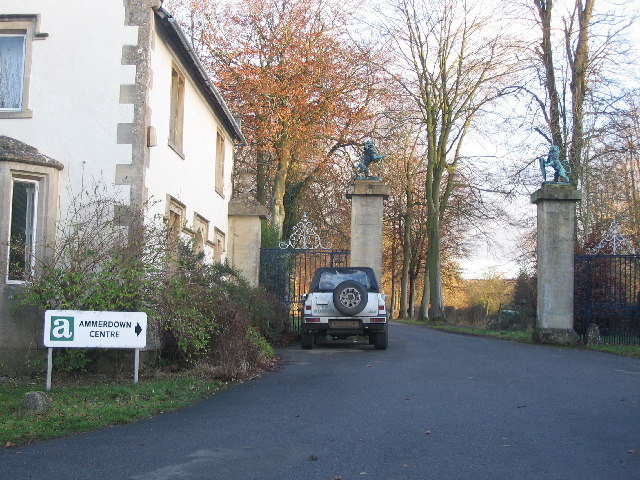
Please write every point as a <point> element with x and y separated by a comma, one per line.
<point>343,302</point>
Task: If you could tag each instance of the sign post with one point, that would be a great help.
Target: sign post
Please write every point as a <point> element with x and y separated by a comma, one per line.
<point>88,329</point>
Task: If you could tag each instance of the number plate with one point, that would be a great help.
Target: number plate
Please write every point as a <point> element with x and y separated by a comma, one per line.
<point>344,323</point>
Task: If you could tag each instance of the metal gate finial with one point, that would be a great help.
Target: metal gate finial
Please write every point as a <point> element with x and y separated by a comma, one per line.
<point>613,240</point>
<point>304,235</point>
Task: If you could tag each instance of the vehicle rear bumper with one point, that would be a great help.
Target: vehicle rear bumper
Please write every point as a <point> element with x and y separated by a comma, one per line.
<point>333,327</point>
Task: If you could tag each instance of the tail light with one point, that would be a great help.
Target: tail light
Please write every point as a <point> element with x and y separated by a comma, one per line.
<point>312,320</point>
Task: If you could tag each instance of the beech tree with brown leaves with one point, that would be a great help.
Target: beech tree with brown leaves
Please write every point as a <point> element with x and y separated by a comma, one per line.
<point>298,80</point>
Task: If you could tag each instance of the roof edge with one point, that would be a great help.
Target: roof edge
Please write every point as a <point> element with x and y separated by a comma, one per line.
<point>173,27</point>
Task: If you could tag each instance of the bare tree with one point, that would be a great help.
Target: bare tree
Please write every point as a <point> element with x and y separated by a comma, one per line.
<point>580,58</point>
<point>452,61</point>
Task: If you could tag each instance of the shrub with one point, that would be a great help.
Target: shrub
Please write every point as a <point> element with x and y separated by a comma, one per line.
<point>209,310</point>
<point>109,257</point>
<point>269,236</point>
<point>71,359</point>
<point>106,257</point>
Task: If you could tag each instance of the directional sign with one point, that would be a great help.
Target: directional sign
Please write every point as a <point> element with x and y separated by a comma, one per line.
<point>85,329</point>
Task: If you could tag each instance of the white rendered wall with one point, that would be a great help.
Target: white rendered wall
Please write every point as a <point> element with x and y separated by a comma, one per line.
<point>190,180</point>
<point>76,75</point>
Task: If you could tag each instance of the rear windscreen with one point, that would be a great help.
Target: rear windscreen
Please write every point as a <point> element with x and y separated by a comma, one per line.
<point>330,279</point>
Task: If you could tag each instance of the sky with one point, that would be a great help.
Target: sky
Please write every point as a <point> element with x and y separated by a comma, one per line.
<point>499,253</point>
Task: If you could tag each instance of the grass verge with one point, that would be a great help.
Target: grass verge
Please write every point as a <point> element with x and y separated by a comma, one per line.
<point>80,407</point>
<point>523,337</point>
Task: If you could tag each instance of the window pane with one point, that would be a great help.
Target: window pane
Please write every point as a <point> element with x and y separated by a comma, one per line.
<point>22,231</point>
<point>219,181</point>
<point>176,120</point>
<point>11,71</point>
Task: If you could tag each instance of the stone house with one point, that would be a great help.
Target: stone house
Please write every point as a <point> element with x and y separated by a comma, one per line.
<point>110,91</point>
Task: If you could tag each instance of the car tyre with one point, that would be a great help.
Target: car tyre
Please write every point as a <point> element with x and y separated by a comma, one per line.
<point>307,340</point>
<point>350,297</point>
<point>381,340</point>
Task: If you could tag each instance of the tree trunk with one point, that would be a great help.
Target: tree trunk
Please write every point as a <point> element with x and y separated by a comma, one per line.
<point>261,175</point>
<point>424,307</point>
<point>394,286</point>
<point>545,8</point>
<point>406,249</point>
<point>579,62</point>
<point>278,211</point>
<point>433,268</point>
<point>412,297</point>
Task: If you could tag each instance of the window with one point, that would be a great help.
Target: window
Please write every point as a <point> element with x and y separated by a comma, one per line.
<point>17,33</point>
<point>201,229</point>
<point>22,230</point>
<point>175,218</point>
<point>219,180</point>
<point>176,120</point>
<point>218,247</point>
<point>12,51</point>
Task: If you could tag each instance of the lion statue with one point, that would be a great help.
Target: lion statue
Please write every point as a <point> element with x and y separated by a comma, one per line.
<point>369,156</point>
<point>553,161</point>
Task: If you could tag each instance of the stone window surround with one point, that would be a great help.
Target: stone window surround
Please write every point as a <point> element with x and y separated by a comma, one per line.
<point>201,224</point>
<point>28,25</point>
<point>46,178</point>
<point>219,244</point>
<point>178,208</point>
<point>176,112</point>
<point>219,162</point>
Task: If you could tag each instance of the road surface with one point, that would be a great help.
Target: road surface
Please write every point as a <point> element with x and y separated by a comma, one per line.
<point>434,405</point>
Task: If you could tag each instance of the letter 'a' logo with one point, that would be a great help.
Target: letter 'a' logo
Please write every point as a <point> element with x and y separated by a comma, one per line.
<point>61,329</point>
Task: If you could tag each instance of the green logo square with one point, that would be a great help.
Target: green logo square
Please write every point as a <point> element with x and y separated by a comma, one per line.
<point>61,329</point>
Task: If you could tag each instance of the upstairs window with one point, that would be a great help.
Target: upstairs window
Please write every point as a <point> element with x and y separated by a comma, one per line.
<point>17,34</point>
<point>12,55</point>
<point>22,231</point>
<point>219,180</point>
<point>176,119</point>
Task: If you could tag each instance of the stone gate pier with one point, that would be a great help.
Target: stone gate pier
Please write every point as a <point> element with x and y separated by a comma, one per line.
<point>556,205</point>
<point>367,200</point>
<point>245,230</point>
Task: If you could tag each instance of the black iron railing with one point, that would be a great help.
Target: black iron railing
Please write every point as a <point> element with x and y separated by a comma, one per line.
<point>607,297</point>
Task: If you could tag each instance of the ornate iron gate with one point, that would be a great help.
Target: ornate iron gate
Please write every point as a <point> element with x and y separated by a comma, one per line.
<point>287,271</point>
<point>607,294</point>
<point>607,290</point>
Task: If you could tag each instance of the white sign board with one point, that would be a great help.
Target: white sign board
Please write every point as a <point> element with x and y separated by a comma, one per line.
<point>85,329</point>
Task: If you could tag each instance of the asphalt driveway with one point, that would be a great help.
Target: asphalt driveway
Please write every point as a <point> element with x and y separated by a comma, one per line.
<point>433,406</point>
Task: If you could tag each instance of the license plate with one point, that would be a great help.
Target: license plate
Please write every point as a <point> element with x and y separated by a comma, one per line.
<point>344,323</point>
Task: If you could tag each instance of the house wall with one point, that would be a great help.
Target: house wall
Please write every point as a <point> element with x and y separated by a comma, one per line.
<point>100,82</point>
<point>76,74</point>
<point>190,178</point>
<point>74,115</point>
